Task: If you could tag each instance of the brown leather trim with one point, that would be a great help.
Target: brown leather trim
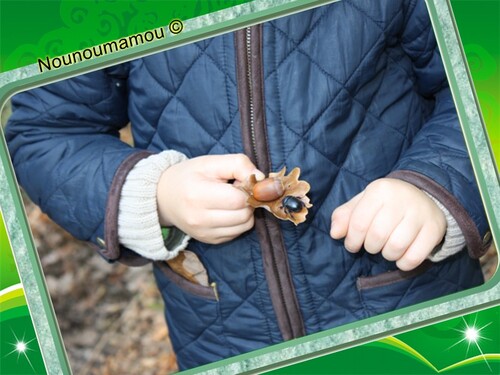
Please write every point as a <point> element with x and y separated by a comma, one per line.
<point>186,285</point>
<point>112,250</point>
<point>276,266</point>
<point>464,221</point>
<point>387,278</point>
<point>277,270</point>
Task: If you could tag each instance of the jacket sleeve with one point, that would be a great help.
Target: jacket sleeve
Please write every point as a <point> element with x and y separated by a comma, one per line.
<point>437,160</point>
<point>64,142</point>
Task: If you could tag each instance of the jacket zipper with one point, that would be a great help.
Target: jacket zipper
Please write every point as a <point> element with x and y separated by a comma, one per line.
<point>248,34</point>
<point>254,136</point>
<point>248,38</point>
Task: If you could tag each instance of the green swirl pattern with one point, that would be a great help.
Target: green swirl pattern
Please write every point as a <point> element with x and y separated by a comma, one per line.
<point>53,28</point>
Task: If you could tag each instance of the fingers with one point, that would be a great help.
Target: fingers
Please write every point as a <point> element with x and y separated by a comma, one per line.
<point>196,197</point>
<point>352,220</point>
<point>227,219</point>
<point>222,196</point>
<point>425,241</point>
<point>414,255</point>
<point>342,216</point>
<point>230,225</point>
<point>400,239</point>
<point>229,167</point>
<point>232,232</point>
<point>361,218</point>
<point>392,217</point>
<point>380,230</point>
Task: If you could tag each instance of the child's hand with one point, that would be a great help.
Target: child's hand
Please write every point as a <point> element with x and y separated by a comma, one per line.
<point>195,196</point>
<point>391,216</point>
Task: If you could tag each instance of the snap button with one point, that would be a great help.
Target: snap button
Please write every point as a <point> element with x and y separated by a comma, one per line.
<point>101,242</point>
<point>487,238</point>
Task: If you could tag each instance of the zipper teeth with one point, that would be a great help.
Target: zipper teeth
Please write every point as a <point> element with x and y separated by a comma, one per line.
<point>249,77</point>
<point>254,148</point>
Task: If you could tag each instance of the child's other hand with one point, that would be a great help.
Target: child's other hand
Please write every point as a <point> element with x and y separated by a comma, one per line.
<point>195,196</point>
<point>393,217</point>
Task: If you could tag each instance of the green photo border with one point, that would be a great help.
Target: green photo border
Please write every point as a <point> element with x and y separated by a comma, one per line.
<point>299,349</point>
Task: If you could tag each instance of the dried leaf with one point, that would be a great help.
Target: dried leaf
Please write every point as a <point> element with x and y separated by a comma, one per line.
<point>279,207</point>
<point>189,266</point>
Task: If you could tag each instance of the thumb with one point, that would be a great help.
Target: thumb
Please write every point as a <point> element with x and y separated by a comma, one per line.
<point>231,167</point>
<point>341,217</point>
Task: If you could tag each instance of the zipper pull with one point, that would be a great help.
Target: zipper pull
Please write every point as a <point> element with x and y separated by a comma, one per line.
<point>214,287</point>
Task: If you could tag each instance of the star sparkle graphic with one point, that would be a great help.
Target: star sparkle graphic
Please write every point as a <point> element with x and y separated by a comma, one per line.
<point>20,346</point>
<point>472,335</point>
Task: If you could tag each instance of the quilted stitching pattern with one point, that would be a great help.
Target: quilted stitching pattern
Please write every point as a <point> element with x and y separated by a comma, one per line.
<point>340,100</point>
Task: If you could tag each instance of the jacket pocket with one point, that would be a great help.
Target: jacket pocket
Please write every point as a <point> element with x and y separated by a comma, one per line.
<point>394,289</point>
<point>192,312</point>
<point>202,291</point>
<point>390,277</point>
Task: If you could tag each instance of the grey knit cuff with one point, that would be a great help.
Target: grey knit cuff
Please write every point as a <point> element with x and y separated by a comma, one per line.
<point>454,240</point>
<point>138,221</point>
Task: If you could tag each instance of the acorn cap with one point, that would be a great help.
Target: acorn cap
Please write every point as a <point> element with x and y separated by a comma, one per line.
<point>292,187</point>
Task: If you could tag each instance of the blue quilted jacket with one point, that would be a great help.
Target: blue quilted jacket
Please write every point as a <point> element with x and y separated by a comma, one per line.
<point>349,92</point>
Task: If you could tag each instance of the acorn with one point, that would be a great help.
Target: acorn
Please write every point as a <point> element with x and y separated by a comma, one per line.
<point>282,195</point>
<point>268,189</point>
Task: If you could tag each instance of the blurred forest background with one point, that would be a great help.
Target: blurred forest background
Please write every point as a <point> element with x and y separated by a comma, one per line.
<point>110,316</point>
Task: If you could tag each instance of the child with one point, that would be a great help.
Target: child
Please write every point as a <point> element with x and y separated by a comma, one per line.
<point>353,93</point>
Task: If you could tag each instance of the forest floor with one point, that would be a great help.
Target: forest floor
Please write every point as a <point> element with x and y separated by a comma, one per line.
<point>110,316</point>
